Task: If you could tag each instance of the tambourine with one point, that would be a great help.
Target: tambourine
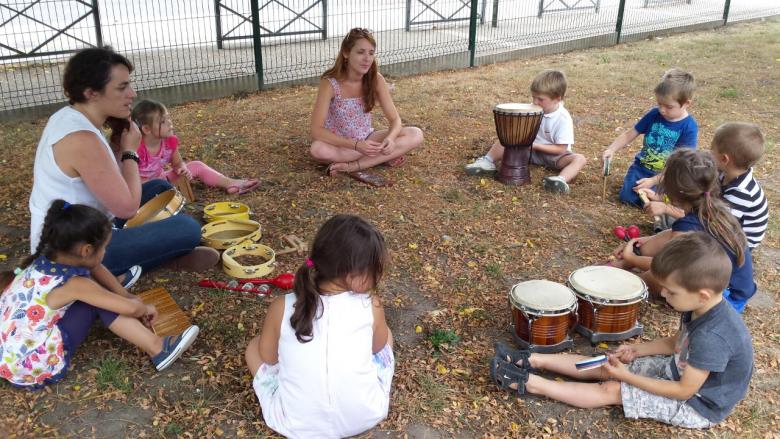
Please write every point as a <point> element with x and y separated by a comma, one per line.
<point>248,248</point>
<point>226,210</point>
<point>227,233</point>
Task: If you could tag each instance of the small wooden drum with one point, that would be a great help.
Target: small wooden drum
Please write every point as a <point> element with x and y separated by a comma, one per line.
<point>609,301</point>
<point>516,126</point>
<point>171,319</point>
<point>163,205</point>
<point>543,313</point>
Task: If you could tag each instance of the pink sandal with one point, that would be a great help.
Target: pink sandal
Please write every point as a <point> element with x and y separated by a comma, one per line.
<point>247,186</point>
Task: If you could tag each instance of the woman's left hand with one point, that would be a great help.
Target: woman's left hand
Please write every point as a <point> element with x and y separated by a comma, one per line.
<point>387,146</point>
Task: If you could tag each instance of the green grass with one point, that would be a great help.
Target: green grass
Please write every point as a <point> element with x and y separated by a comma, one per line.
<point>113,372</point>
<point>432,395</point>
<point>729,92</point>
<point>173,429</point>
<point>443,338</point>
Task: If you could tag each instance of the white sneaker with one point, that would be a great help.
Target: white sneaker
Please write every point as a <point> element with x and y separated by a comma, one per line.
<point>482,165</point>
<point>556,184</point>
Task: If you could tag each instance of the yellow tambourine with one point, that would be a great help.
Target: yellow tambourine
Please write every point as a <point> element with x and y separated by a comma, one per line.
<point>226,233</point>
<point>248,248</point>
<point>226,210</point>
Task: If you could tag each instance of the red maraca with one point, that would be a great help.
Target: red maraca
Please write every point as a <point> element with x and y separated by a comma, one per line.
<point>633,231</point>
<point>620,232</point>
<point>285,281</point>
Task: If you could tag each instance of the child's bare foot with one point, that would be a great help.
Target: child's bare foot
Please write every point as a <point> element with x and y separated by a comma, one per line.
<point>241,186</point>
<point>335,168</point>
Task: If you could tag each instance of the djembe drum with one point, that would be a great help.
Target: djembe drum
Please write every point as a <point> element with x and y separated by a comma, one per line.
<point>516,126</point>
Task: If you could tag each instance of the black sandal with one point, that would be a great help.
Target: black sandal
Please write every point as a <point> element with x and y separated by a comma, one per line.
<point>510,355</point>
<point>504,374</point>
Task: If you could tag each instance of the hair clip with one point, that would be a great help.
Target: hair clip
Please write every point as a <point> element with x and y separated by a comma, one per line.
<point>309,263</point>
<point>65,205</point>
<point>17,270</point>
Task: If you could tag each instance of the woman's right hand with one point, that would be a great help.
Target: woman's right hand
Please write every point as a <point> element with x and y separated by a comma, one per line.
<point>368,148</point>
<point>131,138</point>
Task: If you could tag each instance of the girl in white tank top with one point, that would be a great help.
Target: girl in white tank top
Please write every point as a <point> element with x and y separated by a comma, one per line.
<point>323,363</point>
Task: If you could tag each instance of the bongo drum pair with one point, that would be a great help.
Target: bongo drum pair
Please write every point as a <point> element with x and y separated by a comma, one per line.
<point>602,303</point>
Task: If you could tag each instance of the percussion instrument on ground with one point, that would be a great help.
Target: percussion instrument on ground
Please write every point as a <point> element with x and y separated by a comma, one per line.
<point>543,314</point>
<point>164,205</point>
<point>609,302</point>
<point>248,248</point>
<point>227,233</point>
<point>296,245</point>
<point>171,320</point>
<point>183,185</point>
<point>516,126</point>
<point>226,210</point>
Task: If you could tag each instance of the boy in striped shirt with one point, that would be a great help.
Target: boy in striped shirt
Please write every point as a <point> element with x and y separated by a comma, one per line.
<point>736,147</point>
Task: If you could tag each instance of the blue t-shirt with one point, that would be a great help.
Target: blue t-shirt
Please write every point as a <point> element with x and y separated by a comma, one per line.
<point>741,284</point>
<point>662,137</point>
<point>719,343</point>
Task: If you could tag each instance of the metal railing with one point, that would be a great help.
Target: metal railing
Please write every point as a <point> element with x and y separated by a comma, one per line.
<point>192,49</point>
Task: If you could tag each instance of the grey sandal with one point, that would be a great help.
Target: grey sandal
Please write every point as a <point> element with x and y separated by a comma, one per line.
<point>504,374</point>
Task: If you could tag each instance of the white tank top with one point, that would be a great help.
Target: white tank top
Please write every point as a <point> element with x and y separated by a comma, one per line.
<point>49,182</point>
<point>328,387</point>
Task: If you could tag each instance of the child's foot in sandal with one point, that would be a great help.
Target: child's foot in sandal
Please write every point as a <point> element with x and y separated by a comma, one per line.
<point>518,357</point>
<point>346,167</point>
<point>241,187</point>
<point>507,376</point>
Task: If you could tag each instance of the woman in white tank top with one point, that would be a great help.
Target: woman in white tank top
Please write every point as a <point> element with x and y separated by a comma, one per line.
<point>323,363</point>
<point>76,163</point>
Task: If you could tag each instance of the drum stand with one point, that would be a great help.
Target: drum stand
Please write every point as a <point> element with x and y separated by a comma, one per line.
<point>567,343</point>
<point>598,337</point>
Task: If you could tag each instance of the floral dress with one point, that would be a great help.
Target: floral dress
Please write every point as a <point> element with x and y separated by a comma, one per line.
<point>32,349</point>
<point>347,117</point>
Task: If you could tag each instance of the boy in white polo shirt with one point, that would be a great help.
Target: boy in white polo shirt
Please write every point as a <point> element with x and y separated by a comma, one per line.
<point>552,146</point>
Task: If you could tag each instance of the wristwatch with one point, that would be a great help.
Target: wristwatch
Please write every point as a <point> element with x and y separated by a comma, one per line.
<point>131,155</point>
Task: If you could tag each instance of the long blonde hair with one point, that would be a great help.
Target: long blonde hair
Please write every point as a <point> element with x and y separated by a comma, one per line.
<point>339,69</point>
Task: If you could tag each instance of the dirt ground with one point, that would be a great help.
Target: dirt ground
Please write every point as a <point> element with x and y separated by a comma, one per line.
<point>458,243</point>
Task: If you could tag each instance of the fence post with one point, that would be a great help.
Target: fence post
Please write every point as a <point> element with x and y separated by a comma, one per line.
<point>473,32</point>
<point>726,8</point>
<point>256,44</point>
<point>324,19</point>
<point>495,13</point>
<point>619,25</point>
<point>218,18</point>
<point>408,25</point>
<point>96,17</point>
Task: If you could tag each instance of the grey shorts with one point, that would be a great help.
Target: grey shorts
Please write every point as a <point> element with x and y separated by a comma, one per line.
<point>638,403</point>
<point>547,160</point>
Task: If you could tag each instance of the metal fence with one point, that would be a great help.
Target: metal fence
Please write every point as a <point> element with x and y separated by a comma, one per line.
<point>190,49</point>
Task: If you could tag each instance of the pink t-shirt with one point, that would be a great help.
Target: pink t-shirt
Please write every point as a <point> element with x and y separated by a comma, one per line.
<point>153,166</point>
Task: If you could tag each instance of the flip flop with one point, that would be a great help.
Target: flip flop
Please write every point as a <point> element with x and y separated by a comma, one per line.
<point>370,179</point>
<point>247,186</point>
<point>396,162</point>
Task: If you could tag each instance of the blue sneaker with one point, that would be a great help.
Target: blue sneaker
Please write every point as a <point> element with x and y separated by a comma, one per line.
<point>131,276</point>
<point>174,346</point>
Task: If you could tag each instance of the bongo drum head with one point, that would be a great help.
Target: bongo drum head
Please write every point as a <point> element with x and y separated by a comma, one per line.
<point>517,108</point>
<point>542,297</point>
<point>607,284</point>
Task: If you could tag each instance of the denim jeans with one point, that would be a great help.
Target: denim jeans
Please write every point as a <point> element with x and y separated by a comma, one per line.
<point>153,243</point>
<point>635,173</point>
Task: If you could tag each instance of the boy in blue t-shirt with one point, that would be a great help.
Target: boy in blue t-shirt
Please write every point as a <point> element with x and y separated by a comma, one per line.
<point>665,128</point>
<point>692,379</point>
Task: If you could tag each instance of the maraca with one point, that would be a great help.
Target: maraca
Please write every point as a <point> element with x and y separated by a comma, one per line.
<point>633,232</point>
<point>285,281</point>
<point>620,232</point>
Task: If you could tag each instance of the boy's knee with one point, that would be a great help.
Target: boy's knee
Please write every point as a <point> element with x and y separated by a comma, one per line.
<point>580,159</point>
<point>611,392</point>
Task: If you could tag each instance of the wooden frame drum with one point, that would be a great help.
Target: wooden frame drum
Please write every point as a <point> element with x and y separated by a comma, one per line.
<point>609,302</point>
<point>164,205</point>
<point>543,314</point>
<point>516,127</point>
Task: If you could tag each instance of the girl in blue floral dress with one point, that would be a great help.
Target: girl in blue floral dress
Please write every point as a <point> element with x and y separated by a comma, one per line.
<point>48,306</point>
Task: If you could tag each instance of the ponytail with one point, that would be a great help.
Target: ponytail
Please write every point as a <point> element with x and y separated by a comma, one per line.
<point>307,301</point>
<point>718,221</point>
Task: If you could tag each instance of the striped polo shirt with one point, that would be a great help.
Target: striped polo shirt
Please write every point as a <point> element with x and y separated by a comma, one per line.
<point>748,204</point>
